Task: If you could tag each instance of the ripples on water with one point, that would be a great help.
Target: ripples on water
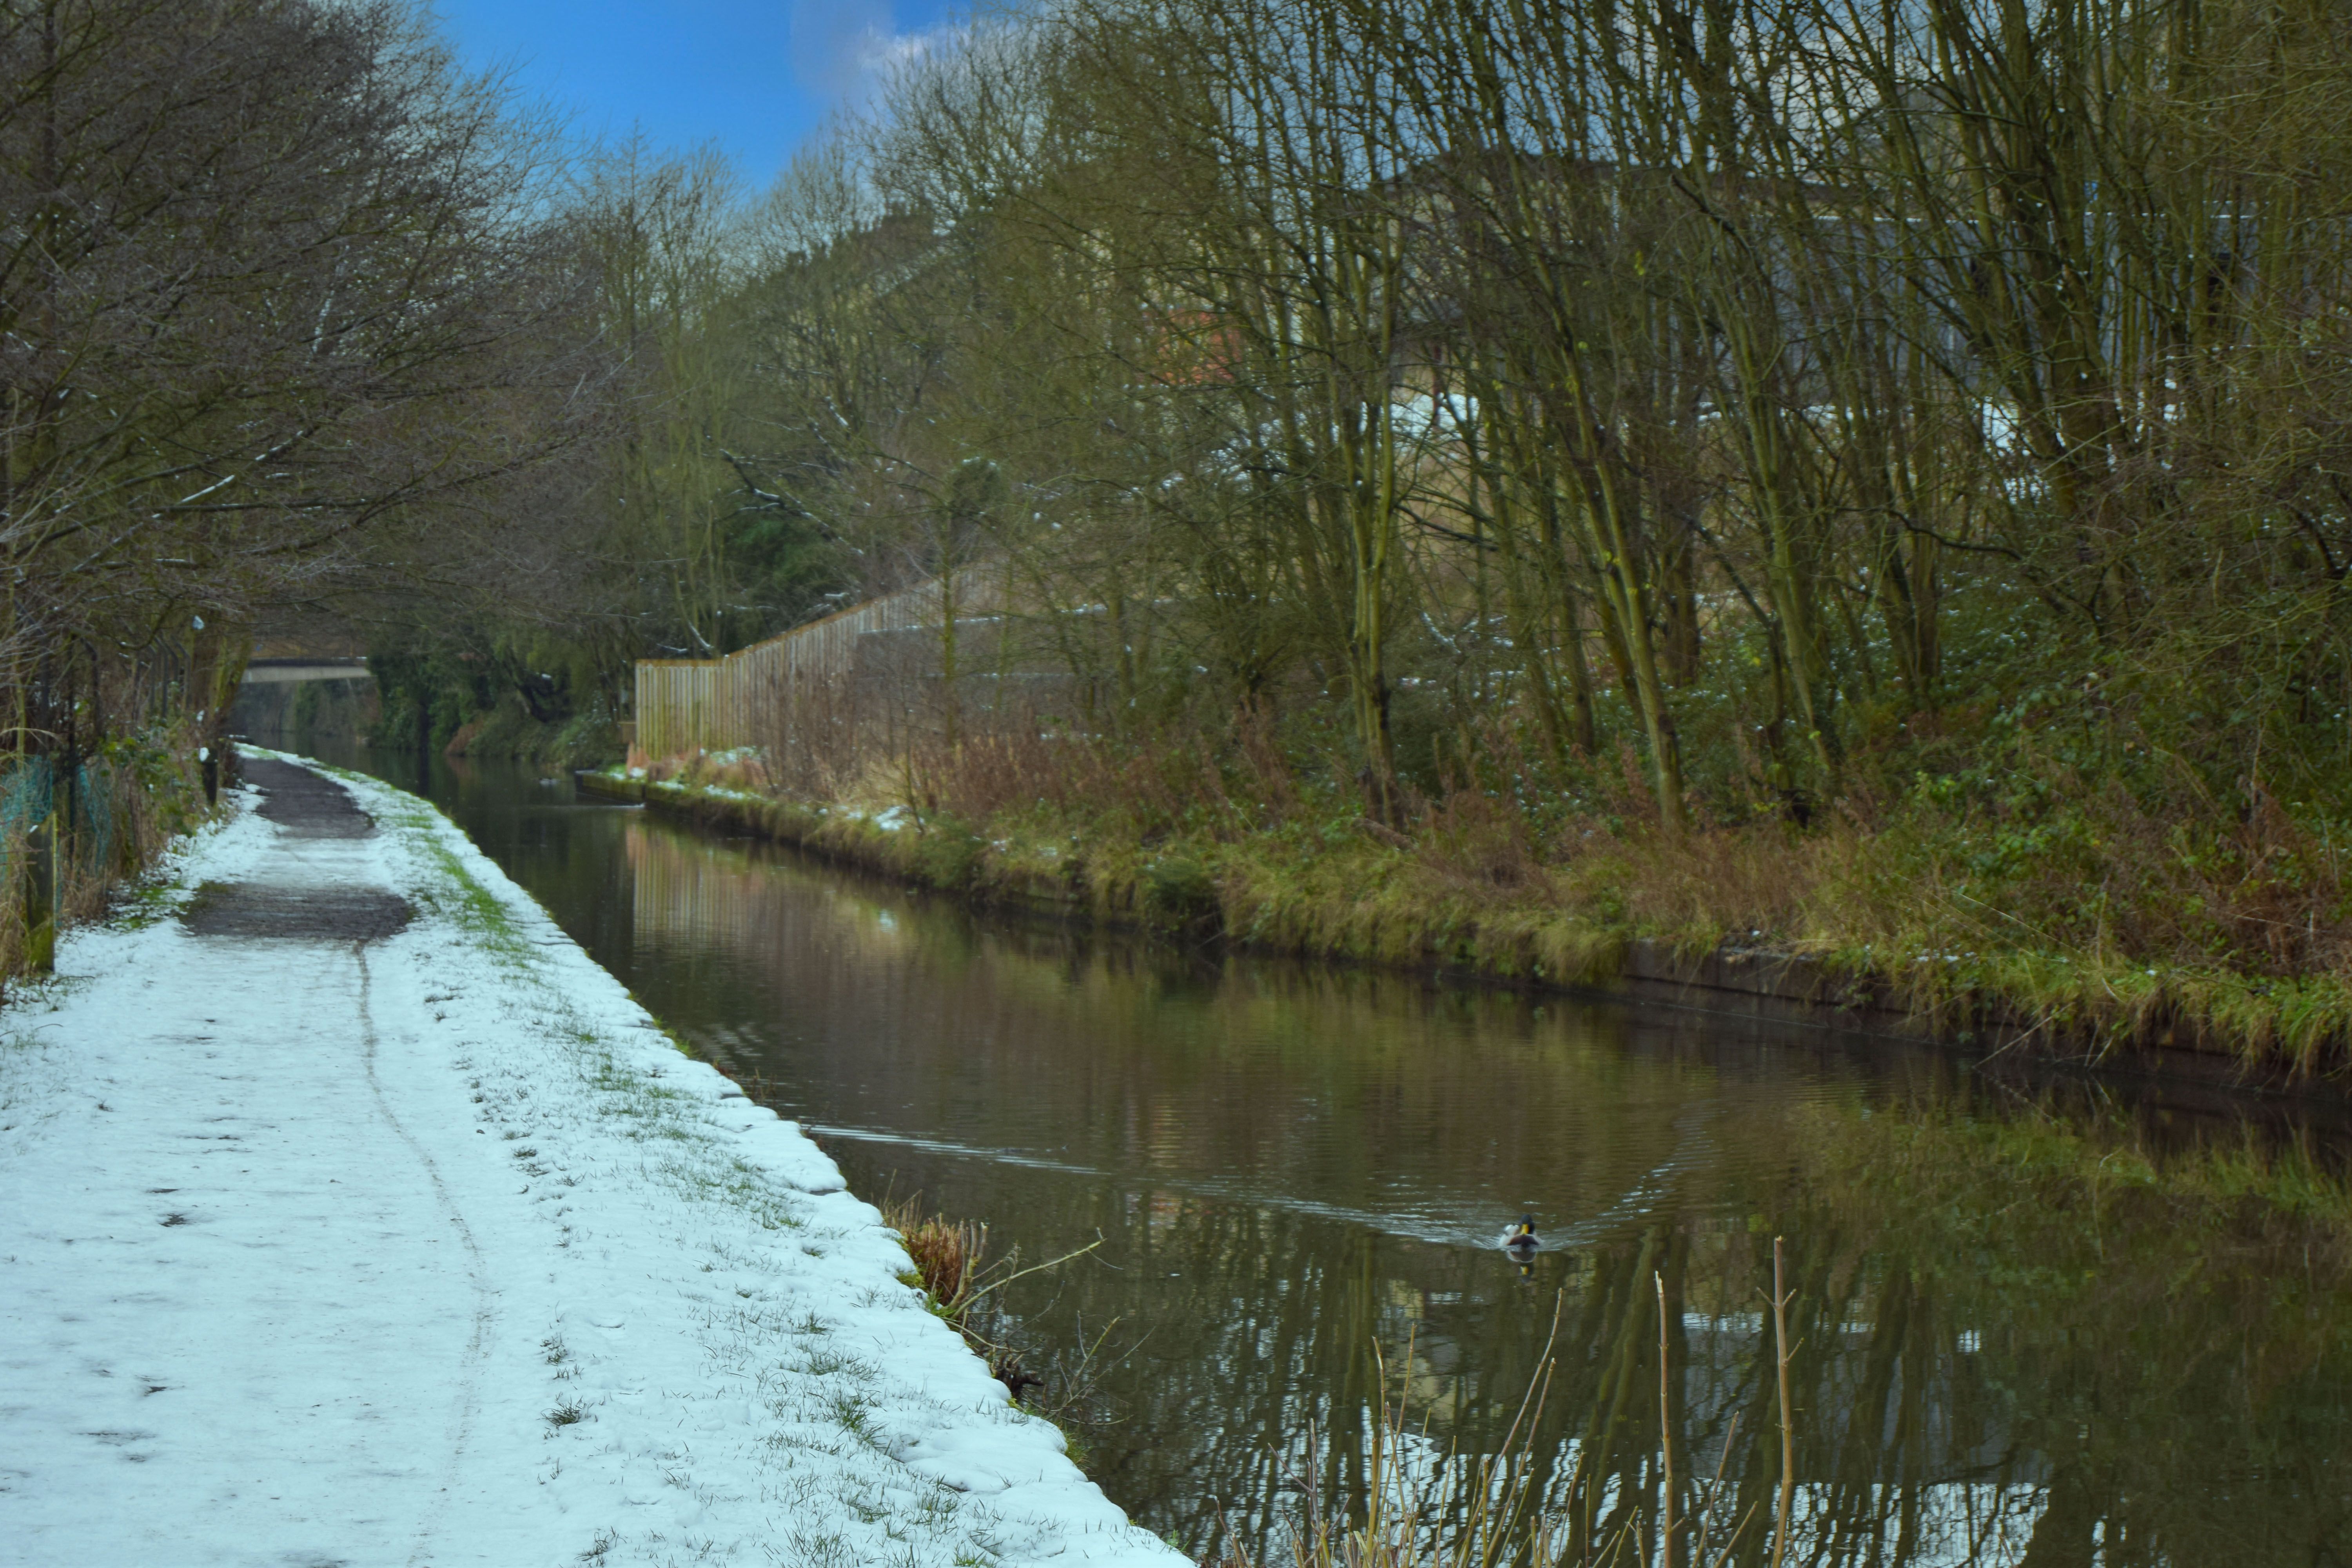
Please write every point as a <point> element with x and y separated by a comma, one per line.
<point>2020,1340</point>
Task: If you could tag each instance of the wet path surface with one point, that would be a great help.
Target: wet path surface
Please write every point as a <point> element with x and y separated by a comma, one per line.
<point>2041,1319</point>
<point>302,805</point>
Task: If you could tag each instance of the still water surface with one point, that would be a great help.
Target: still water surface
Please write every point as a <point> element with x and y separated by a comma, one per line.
<point>2039,1321</point>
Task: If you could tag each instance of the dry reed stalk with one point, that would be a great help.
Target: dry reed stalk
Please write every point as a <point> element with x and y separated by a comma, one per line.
<point>1788,1433</point>
<point>1665,1432</point>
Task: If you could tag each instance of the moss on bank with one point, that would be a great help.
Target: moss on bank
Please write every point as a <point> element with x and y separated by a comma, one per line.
<point>1349,890</point>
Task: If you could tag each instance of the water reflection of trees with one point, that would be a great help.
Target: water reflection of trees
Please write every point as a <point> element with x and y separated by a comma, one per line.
<point>1952,1407</point>
<point>2114,1433</point>
<point>2008,1352</point>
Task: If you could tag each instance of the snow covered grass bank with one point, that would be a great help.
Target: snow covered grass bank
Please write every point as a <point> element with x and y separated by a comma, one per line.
<point>435,1249</point>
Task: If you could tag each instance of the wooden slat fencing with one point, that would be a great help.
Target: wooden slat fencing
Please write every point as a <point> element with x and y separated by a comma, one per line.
<point>761,695</point>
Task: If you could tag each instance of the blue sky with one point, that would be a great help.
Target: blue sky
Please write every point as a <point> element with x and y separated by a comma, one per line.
<point>755,75</point>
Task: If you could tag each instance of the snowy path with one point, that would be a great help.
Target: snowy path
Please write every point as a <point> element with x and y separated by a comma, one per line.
<point>430,1248</point>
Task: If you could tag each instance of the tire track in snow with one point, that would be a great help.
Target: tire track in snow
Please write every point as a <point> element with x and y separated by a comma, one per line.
<point>470,1381</point>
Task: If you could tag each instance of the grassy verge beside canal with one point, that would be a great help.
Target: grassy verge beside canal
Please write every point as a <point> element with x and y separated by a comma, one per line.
<point>1913,923</point>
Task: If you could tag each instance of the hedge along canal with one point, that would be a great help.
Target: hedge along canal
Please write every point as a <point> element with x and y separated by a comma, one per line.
<point>2037,1312</point>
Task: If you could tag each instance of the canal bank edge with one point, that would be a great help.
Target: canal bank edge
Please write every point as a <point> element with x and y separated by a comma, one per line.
<point>1004,1458</point>
<point>1753,982</point>
<point>664,1330</point>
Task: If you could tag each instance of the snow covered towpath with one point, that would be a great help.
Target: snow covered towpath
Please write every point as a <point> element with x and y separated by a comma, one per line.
<point>350,1214</point>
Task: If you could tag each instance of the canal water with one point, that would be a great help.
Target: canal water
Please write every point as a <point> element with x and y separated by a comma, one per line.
<point>2034,1319</point>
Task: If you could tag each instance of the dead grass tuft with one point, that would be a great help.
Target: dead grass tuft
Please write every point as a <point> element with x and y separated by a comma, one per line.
<point>947,1254</point>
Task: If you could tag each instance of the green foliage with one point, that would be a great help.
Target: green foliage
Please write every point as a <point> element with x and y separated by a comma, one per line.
<point>541,698</point>
<point>1180,893</point>
<point>947,853</point>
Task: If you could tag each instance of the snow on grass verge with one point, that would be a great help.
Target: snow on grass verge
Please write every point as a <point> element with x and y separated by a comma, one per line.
<point>437,1251</point>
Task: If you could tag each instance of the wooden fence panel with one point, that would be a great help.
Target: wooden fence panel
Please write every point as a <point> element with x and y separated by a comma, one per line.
<point>684,705</point>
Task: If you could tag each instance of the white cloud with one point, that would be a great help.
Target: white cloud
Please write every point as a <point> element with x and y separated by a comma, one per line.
<point>844,49</point>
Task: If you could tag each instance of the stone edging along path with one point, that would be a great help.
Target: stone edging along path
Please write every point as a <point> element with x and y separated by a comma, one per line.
<point>350,1212</point>
<point>1749,983</point>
